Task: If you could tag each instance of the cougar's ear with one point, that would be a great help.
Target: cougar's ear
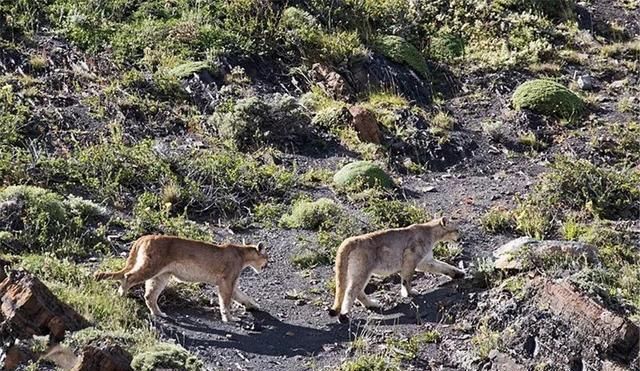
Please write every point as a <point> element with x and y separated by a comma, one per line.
<point>444,221</point>
<point>261,247</point>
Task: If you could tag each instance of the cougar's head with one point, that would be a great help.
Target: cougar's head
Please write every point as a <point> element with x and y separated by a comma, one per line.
<point>449,229</point>
<point>258,258</point>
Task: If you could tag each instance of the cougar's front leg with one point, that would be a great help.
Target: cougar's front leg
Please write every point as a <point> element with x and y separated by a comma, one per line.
<point>437,266</point>
<point>406,274</point>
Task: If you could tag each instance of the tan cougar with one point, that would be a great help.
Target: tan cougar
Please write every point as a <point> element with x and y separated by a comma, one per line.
<point>386,252</point>
<point>155,259</point>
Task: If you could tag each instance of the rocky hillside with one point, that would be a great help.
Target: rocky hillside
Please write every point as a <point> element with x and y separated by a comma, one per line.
<point>301,123</point>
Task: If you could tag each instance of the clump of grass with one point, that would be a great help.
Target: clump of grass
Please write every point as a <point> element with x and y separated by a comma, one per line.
<point>497,220</point>
<point>268,213</point>
<point>151,215</point>
<point>621,142</point>
<point>484,341</point>
<point>408,349</point>
<point>369,363</point>
<point>447,251</point>
<point>442,120</point>
<point>318,214</point>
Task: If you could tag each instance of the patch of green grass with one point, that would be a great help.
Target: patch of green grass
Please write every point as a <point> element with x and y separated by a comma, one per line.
<point>151,216</point>
<point>621,142</point>
<point>97,301</point>
<point>442,120</point>
<point>269,213</point>
<point>447,251</point>
<point>227,181</point>
<point>382,99</point>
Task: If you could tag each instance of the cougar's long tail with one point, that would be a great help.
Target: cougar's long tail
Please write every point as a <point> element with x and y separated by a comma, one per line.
<point>342,264</point>
<point>131,261</point>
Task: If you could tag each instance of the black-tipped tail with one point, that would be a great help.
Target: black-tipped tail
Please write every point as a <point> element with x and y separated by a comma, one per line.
<point>343,318</point>
<point>333,312</point>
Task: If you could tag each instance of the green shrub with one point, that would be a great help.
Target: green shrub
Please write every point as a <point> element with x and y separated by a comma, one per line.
<point>446,46</point>
<point>150,216</point>
<point>226,182</point>
<point>305,33</point>
<point>394,214</point>
<point>187,69</point>
<point>166,356</point>
<point>41,220</point>
<point>362,174</point>
<point>254,121</point>
<point>321,213</point>
<point>113,171</point>
<point>559,10</point>
<point>548,98</point>
<point>401,51</point>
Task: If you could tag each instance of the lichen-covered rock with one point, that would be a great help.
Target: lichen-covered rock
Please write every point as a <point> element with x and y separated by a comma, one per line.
<point>400,50</point>
<point>366,124</point>
<point>548,98</point>
<point>311,214</point>
<point>362,174</point>
<point>166,356</point>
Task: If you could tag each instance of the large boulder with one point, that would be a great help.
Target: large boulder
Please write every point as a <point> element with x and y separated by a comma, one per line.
<point>362,174</point>
<point>375,72</point>
<point>547,97</point>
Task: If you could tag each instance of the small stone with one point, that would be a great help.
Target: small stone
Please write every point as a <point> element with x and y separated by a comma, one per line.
<point>585,82</point>
<point>300,302</point>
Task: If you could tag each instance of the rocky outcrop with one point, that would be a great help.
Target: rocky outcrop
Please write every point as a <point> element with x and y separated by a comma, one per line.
<point>27,308</point>
<point>614,334</point>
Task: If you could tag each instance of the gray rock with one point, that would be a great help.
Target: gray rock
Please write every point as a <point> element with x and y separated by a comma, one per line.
<point>586,82</point>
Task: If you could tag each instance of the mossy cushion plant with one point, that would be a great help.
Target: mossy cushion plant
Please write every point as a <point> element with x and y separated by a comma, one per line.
<point>548,98</point>
<point>167,356</point>
<point>401,51</point>
<point>362,174</point>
